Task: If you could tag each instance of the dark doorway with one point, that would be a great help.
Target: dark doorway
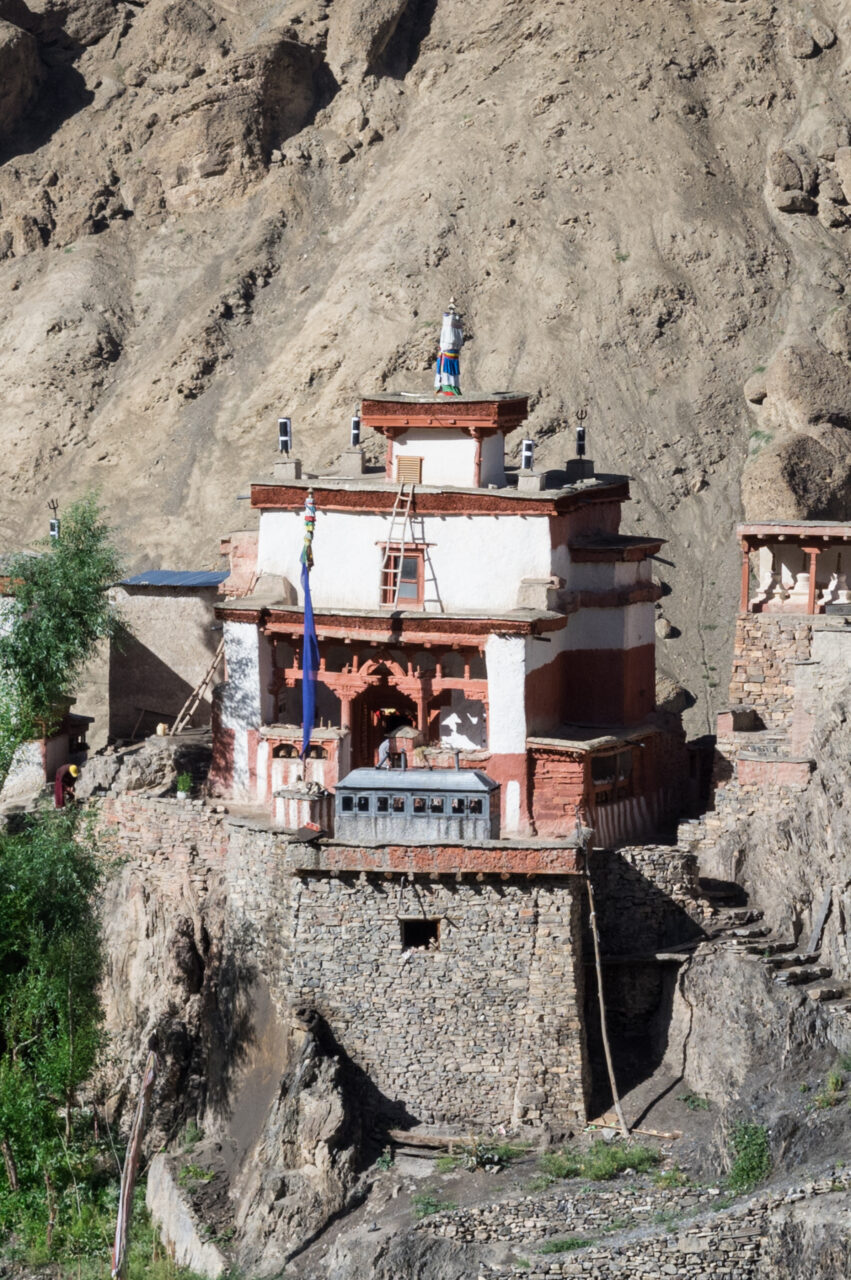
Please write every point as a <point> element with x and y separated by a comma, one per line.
<point>377,713</point>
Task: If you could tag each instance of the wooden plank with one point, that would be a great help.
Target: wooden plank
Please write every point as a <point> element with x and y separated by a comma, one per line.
<point>819,919</point>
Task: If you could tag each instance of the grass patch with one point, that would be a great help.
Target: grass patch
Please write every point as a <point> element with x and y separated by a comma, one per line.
<point>671,1178</point>
<point>621,257</point>
<point>751,1156</point>
<point>567,1245</point>
<point>426,1203</point>
<point>694,1101</point>
<point>386,1160</point>
<point>194,1173</point>
<point>482,1155</point>
<point>601,1162</point>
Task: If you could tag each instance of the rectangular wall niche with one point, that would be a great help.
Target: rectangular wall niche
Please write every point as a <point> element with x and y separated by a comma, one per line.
<point>420,934</point>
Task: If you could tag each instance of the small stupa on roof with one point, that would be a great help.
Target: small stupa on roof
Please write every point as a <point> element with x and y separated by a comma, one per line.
<point>447,375</point>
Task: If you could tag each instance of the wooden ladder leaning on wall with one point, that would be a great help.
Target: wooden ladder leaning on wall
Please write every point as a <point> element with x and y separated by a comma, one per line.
<point>391,567</point>
<point>192,703</point>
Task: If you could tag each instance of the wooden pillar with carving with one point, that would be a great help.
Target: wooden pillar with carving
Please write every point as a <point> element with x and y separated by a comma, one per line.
<point>746,574</point>
<point>813,553</point>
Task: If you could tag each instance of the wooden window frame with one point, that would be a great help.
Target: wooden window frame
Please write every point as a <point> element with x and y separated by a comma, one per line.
<point>405,602</point>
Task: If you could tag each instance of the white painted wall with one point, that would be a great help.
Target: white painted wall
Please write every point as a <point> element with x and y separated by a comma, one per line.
<point>478,561</point>
<point>240,707</point>
<point>626,628</point>
<point>605,577</point>
<point>505,657</point>
<point>463,724</point>
<point>449,457</point>
<point>493,459</point>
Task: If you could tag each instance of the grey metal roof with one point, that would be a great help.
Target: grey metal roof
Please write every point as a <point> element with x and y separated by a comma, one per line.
<point>417,780</point>
<point>176,578</point>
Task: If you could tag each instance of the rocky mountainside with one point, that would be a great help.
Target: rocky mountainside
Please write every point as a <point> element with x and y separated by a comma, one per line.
<point>212,212</point>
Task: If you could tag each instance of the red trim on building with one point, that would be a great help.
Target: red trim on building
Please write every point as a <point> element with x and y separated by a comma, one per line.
<point>464,502</point>
<point>437,860</point>
<point>592,686</point>
<point>386,628</point>
<point>488,415</point>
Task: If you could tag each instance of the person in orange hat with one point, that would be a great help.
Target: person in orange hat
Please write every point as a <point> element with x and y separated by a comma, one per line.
<point>63,786</point>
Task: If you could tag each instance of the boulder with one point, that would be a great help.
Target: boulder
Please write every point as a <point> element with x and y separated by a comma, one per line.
<point>835,333</point>
<point>755,388</point>
<point>842,160</point>
<point>800,43</point>
<point>783,171</point>
<point>824,36</point>
<point>809,385</point>
<point>799,477</point>
<point>20,74</point>
<point>359,33</point>
<point>794,202</point>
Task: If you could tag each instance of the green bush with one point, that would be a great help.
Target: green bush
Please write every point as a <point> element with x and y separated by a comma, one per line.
<point>694,1101</point>
<point>564,1246</point>
<point>751,1156</point>
<point>184,782</point>
<point>426,1203</point>
<point>602,1161</point>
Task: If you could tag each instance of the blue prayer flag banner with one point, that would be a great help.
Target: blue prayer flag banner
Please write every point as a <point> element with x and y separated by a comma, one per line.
<point>309,665</point>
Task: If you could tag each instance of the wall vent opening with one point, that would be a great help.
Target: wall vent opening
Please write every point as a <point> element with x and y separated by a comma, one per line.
<point>420,934</point>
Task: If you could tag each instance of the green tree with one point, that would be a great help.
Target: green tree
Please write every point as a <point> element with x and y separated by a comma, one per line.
<point>60,609</point>
<point>50,1013</point>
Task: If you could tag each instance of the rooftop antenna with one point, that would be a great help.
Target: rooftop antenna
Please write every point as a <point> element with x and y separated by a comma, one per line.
<point>581,415</point>
<point>285,436</point>
<point>55,523</point>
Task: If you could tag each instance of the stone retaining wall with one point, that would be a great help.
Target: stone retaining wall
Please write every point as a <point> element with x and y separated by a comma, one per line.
<point>726,1245</point>
<point>646,898</point>
<point>485,1029</point>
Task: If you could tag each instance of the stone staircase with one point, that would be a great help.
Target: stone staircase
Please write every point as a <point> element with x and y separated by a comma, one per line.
<point>736,927</point>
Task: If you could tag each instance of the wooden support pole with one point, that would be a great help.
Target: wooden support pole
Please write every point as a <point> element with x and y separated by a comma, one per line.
<point>599,967</point>
<point>746,573</point>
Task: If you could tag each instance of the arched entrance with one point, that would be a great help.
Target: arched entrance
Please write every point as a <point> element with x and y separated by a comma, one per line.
<point>376,713</point>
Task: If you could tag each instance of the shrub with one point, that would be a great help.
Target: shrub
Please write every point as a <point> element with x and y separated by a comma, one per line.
<point>564,1246</point>
<point>602,1161</point>
<point>184,782</point>
<point>694,1101</point>
<point>751,1156</point>
<point>426,1203</point>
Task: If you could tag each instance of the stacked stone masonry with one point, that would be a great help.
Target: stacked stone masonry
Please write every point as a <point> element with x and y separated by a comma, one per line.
<point>485,1029</point>
<point>765,650</point>
<point>725,1245</point>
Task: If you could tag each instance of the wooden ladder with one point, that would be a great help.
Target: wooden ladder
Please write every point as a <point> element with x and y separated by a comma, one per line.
<point>191,704</point>
<point>391,576</point>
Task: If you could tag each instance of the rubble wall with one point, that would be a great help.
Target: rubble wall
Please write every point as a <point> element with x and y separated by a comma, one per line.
<point>765,650</point>
<point>485,1029</point>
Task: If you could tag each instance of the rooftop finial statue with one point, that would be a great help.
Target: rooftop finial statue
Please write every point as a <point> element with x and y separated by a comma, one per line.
<point>447,376</point>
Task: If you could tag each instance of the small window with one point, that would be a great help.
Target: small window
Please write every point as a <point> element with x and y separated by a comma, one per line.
<point>348,804</point>
<point>398,804</point>
<point>436,804</point>
<point>403,569</point>
<point>382,804</point>
<point>420,934</point>
<point>475,804</point>
<point>458,804</point>
<point>419,804</point>
<point>363,804</point>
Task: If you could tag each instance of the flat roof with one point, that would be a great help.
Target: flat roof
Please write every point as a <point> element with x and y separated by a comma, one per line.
<point>467,397</point>
<point>555,485</point>
<point>418,780</point>
<point>176,578</point>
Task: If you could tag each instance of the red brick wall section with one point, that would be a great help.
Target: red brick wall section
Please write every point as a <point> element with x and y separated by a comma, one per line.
<point>442,859</point>
<point>558,787</point>
<point>592,686</point>
<point>774,773</point>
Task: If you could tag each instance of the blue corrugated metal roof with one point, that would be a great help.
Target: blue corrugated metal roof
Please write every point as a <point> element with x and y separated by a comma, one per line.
<point>175,578</point>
